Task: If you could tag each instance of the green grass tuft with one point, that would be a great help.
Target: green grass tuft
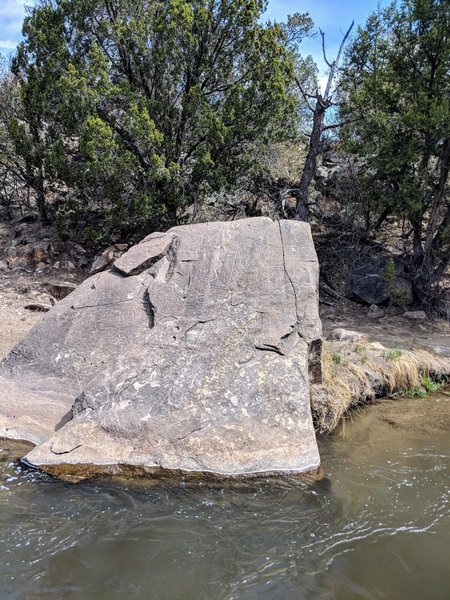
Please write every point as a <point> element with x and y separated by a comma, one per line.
<point>429,385</point>
<point>414,392</point>
<point>393,355</point>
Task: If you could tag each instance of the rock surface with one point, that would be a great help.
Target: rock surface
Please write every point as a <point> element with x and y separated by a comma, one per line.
<point>191,354</point>
<point>367,281</point>
<point>346,335</point>
<point>415,315</point>
<point>375,312</point>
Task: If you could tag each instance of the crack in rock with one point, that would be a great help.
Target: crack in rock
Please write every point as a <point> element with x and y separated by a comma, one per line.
<point>149,308</point>
<point>60,452</point>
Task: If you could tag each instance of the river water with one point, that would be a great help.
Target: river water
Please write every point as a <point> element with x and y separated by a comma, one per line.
<point>377,525</point>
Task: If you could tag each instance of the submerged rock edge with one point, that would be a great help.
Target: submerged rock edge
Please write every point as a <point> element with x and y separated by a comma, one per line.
<point>75,473</point>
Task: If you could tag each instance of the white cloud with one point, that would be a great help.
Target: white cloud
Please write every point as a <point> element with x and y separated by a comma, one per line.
<point>8,44</point>
<point>12,10</point>
<point>12,13</point>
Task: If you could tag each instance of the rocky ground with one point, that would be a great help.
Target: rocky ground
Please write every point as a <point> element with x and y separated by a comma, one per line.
<point>15,320</point>
<point>392,330</point>
<point>36,270</point>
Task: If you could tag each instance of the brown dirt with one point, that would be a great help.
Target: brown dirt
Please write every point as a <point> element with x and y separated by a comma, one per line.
<point>393,330</point>
<point>15,320</point>
<point>22,286</point>
<point>420,414</point>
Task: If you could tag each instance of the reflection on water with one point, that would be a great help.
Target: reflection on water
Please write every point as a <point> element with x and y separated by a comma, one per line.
<point>377,527</point>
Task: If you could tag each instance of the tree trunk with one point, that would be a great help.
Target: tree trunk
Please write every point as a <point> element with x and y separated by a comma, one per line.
<point>38,185</point>
<point>322,104</point>
<point>309,169</point>
<point>431,259</point>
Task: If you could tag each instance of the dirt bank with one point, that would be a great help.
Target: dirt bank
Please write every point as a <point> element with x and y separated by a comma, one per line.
<point>393,330</point>
<point>358,371</point>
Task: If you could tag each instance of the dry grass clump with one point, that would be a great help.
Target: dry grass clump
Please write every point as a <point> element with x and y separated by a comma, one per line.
<point>355,374</point>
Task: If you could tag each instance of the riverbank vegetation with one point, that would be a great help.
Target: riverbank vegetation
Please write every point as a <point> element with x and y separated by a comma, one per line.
<point>356,373</point>
<point>121,117</point>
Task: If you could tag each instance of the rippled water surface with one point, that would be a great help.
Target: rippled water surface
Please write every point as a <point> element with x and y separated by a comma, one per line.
<point>377,526</point>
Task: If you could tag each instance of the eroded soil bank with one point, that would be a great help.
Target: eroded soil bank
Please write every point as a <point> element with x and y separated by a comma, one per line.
<point>358,371</point>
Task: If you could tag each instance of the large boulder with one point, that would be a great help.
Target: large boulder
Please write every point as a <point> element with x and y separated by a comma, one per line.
<point>192,354</point>
<point>367,281</point>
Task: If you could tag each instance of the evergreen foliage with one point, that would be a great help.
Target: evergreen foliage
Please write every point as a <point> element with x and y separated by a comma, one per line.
<point>120,113</point>
<point>396,92</point>
<point>140,107</point>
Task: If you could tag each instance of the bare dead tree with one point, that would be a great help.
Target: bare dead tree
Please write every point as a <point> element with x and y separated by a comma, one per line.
<point>318,104</point>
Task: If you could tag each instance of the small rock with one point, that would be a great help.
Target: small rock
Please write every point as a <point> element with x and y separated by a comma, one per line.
<point>415,315</point>
<point>321,173</point>
<point>41,266</point>
<point>100,263</point>
<point>38,307</point>
<point>346,335</point>
<point>41,298</point>
<point>377,346</point>
<point>121,247</point>
<point>3,265</point>
<point>375,312</point>
<point>82,262</point>
<point>79,249</point>
<point>60,289</point>
<point>102,260</point>
<point>67,265</point>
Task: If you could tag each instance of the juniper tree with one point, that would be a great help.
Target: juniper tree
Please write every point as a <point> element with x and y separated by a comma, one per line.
<point>142,106</point>
<point>396,87</point>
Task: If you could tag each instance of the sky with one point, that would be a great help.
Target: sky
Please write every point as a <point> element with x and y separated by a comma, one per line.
<point>332,16</point>
<point>11,17</point>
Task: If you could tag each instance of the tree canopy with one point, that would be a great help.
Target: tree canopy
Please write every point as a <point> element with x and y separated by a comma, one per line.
<point>141,106</point>
<point>120,113</point>
<point>396,91</point>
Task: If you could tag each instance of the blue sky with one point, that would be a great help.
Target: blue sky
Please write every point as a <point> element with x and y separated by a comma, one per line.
<point>11,17</point>
<point>332,16</point>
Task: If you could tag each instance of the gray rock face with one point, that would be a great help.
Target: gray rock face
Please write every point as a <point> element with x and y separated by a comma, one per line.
<point>347,335</point>
<point>415,315</point>
<point>367,282</point>
<point>192,354</point>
